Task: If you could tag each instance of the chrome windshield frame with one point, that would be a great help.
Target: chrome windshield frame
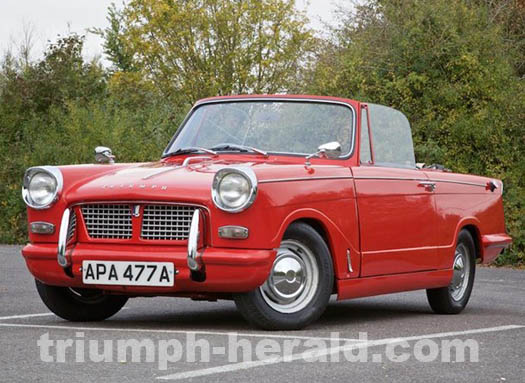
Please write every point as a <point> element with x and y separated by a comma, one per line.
<point>198,104</point>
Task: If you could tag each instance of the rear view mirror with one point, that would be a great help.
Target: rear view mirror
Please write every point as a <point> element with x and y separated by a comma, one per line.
<point>330,150</point>
<point>103,155</point>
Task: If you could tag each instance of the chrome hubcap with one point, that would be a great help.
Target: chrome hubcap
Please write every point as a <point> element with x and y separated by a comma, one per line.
<point>86,295</point>
<point>293,279</point>
<point>461,276</point>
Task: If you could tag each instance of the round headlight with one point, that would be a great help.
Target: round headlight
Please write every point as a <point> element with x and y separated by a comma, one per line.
<point>41,186</point>
<point>234,189</point>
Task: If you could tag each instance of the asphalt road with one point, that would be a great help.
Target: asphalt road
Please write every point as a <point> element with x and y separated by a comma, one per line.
<point>397,326</point>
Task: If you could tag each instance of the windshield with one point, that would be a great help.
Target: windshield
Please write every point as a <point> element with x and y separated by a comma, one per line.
<point>273,126</point>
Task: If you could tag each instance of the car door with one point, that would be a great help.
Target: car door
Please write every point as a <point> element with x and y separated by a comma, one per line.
<point>397,214</point>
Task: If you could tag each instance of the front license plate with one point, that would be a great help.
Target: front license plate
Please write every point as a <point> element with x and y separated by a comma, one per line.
<point>128,273</point>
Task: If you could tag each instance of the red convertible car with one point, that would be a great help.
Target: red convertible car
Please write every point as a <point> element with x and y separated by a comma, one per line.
<point>276,202</point>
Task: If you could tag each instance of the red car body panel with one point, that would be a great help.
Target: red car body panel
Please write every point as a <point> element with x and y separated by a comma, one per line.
<point>386,231</point>
<point>228,270</point>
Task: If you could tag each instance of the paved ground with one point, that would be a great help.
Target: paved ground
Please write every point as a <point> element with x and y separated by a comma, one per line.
<point>494,319</point>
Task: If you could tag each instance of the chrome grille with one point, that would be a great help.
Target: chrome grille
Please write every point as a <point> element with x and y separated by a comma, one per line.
<point>111,221</point>
<point>72,226</point>
<point>166,222</point>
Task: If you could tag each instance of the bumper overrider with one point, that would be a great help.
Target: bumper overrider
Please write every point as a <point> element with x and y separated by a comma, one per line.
<point>219,270</point>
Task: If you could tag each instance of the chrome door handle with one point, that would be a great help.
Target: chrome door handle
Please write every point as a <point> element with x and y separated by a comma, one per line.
<point>430,186</point>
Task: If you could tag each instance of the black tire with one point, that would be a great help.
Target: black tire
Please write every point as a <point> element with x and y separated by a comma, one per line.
<point>255,308</point>
<point>442,300</point>
<point>80,305</point>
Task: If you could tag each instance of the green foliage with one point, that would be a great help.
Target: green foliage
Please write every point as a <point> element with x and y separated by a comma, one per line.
<point>57,110</point>
<point>510,16</point>
<point>200,48</point>
<point>114,44</point>
<point>449,67</point>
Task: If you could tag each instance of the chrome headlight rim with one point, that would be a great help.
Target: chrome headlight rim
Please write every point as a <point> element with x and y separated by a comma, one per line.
<point>28,176</point>
<point>245,172</point>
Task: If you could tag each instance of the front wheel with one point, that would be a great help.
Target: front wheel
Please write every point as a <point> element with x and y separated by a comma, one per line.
<point>299,286</point>
<point>80,305</point>
<point>454,298</point>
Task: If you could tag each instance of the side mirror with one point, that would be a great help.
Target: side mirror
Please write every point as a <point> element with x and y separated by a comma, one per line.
<point>331,150</point>
<point>104,155</point>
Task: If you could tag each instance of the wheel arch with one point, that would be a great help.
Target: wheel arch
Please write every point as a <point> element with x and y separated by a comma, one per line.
<point>319,227</point>
<point>476,237</point>
<point>335,240</point>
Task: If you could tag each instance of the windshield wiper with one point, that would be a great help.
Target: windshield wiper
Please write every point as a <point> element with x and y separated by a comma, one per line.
<point>191,149</point>
<point>237,147</point>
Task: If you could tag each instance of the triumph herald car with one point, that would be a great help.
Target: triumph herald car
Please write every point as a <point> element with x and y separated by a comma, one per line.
<point>276,202</point>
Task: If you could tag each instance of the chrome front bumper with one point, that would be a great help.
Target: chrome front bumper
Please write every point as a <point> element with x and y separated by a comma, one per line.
<point>62,240</point>
<point>194,257</point>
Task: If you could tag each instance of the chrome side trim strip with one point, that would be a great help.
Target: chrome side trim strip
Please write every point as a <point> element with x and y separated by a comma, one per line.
<point>419,180</point>
<point>460,183</point>
<point>272,180</point>
<point>62,239</point>
<point>369,178</point>
<point>390,178</point>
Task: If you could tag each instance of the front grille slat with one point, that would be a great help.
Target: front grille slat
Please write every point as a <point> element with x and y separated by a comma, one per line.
<point>166,222</point>
<point>159,222</point>
<point>111,221</point>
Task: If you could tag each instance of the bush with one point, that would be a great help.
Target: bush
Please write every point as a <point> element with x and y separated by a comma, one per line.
<point>449,68</point>
<point>58,110</point>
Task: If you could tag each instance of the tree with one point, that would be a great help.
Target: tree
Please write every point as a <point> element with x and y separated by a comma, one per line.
<point>114,45</point>
<point>198,48</point>
<point>448,65</point>
<point>56,109</point>
<point>510,15</point>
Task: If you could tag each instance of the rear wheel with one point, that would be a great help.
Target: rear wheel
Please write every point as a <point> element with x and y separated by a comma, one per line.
<point>79,305</point>
<point>299,286</point>
<point>454,298</point>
